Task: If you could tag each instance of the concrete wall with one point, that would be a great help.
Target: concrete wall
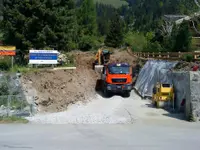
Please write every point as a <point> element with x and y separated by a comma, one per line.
<point>181,84</point>
<point>187,86</point>
<point>193,103</point>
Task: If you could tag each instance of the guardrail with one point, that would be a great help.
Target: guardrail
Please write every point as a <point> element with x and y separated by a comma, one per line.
<point>166,55</point>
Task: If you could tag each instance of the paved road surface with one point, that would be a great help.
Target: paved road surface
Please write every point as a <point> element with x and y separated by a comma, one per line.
<point>139,136</point>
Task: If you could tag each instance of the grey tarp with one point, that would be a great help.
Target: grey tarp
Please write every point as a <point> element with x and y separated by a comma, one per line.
<point>152,72</point>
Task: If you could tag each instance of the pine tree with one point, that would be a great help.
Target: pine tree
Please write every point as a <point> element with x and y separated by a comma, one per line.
<point>87,18</point>
<point>183,38</point>
<point>115,36</point>
<point>39,23</point>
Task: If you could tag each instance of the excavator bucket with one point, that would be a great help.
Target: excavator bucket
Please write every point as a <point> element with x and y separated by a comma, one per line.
<point>98,68</point>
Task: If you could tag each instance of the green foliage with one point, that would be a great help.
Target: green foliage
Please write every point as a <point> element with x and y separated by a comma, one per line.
<point>135,40</point>
<point>104,15</point>
<point>179,40</point>
<point>65,26</point>
<point>87,42</point>
<point>115,36</point>
<point>87,25</point>
<point>149,13</point>
<point>153,47</point>
<point>87,18</point>
<point>13,119</point>
<point>39,23</point>
<point>183,38</point>
<point>188,57</point>
<point>114,3</point>
<point>4,89</point>
<point>5,63</point>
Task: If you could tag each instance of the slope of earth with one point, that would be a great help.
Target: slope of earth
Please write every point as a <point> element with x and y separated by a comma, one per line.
<point>57,89</point>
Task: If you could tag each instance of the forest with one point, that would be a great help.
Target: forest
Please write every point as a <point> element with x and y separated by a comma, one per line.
<point>86,25</point>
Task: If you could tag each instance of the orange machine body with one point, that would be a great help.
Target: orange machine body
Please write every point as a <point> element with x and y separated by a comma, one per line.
<point>117,77</point>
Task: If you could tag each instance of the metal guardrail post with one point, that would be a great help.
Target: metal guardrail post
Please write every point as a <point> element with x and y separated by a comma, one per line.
<point>167,54</point>
<point>8,105</point>
<point>153,54</point>
<point>179,54</point>
<point>159,55</point>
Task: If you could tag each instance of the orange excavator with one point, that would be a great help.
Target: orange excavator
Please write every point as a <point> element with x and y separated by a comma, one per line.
<point>117,78</point>
<point>102,57</point>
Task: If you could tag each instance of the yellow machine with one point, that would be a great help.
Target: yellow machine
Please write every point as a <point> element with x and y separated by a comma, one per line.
<point>101,58</point>
<point>163,94</point>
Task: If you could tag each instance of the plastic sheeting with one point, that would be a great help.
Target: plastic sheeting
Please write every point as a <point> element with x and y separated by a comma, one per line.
<point>154,71</point>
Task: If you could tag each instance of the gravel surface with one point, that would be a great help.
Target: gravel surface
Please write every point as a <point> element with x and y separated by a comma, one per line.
<point>114,110</point>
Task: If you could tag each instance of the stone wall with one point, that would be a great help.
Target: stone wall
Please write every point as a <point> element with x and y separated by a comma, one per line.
<point>193,102</point>
<point>181,84</point>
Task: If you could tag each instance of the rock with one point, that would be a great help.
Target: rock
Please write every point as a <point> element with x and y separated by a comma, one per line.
<point>62,59</point>
<point>36,97</point>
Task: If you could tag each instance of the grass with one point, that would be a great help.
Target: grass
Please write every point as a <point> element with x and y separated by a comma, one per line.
<point>5,65</point>
<point>13,119</point>
<point>195,42</point>
<point>23,69</point>
<point>114,3</point>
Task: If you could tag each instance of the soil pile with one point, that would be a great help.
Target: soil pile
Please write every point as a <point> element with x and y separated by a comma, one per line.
<point>57,89</point>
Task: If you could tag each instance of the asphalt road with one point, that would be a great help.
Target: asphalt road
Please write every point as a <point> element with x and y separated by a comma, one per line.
<point>139,136</point>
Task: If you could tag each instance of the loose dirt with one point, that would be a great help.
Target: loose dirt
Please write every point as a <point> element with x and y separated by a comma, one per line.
<point>57,89</point>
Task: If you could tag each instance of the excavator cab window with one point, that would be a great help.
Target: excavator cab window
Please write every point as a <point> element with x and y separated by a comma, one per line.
<point>154,90</point>
<point>104,70</point>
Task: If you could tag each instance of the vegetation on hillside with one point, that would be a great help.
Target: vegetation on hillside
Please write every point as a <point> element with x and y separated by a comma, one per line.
<point>87,24</point>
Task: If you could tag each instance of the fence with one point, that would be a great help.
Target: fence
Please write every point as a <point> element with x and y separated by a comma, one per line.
<point>12,98</point>
<point>16,105</point>
<point>166,55</point>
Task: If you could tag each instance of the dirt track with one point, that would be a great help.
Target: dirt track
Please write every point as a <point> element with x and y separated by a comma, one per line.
<point>57,89</point>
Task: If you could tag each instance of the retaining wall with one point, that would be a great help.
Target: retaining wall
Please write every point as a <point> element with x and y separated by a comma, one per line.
<point>193,102</point>
<point>181,84</point>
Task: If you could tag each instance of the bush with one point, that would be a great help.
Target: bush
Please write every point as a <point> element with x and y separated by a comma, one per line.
<point>87,43</point>
<point>188,57</point>
<point>5,63</point>
<point>137,41</point>
<point>4,89</point>
<point>153,47</point>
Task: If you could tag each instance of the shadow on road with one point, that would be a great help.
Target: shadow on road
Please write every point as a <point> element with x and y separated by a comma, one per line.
<point>99,90</point>
<point>150,105</point>
<point>179,116</point>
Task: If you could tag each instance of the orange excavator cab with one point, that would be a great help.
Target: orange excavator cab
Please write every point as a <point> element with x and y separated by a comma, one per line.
<point>101,58</point>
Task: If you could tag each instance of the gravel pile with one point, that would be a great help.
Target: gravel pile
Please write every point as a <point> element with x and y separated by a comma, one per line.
<point>98,111</point>
<point>65,118</point>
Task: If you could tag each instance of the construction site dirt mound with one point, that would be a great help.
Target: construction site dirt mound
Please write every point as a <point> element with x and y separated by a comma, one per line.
<point>57,89</point>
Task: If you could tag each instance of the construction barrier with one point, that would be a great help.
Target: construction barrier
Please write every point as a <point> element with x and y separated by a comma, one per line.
<point>166,55</point>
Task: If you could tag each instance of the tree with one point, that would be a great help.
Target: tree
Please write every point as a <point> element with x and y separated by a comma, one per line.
<point>115,36</point>
<point>87,18</point>
<point>183,38</point>
<point>87,25</point>
<point>39,23</point>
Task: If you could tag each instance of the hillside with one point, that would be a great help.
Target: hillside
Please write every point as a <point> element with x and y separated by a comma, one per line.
<point>115,3</point>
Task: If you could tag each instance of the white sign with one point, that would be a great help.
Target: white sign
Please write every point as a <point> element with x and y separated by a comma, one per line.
<point>43,56</point>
